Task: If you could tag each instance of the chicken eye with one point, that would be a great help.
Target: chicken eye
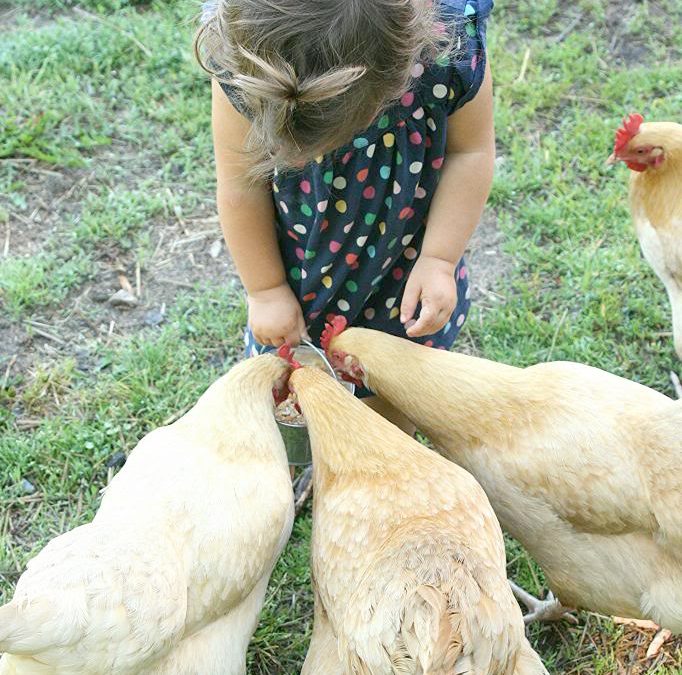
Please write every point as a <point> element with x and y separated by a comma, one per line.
<point>640,151</point>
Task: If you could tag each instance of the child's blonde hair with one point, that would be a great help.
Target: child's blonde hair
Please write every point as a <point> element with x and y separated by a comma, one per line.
<point>313,73</point>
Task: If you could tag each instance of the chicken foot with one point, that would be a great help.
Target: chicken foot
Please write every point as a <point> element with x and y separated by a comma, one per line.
<point>542,610</point>
<point>676,384</point>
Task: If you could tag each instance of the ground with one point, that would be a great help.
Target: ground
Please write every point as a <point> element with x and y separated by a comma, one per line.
<point>106,184</point>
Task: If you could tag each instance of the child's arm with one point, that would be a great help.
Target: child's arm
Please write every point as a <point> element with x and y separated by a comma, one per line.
<point>455,211</point>
<point>248,221</point>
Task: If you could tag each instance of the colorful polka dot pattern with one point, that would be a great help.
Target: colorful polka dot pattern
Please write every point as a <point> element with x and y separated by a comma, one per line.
<point>351,223</point>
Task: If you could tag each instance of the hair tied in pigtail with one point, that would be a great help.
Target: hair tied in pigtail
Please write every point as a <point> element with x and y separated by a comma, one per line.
<point>292,97</point>
<point>274,82</point>
<point>330,85</point>
<point>307,88</point>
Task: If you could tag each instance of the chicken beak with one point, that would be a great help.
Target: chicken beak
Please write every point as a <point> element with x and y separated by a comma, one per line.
<point>612,159</point>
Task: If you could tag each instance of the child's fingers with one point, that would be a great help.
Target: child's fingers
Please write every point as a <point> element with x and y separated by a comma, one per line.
<point>411,296</point>
<point>262,340</point>
<point>302,329</point>
<point>268,339</point>
<point>429,322</point>
<point>425,322</point>
<point>292,338</point>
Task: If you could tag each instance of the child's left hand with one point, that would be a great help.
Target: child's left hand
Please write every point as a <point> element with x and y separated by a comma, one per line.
<point>432,282</point>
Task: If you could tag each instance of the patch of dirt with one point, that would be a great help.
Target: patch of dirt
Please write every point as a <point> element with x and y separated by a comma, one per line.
<point>488,266</point>
<point>631,648</point>
<point>487,262</point>
<point>10,15</point>
<point>186,254</point>
<point>183,252</point>
<point>7,15</point>
<point>54,196</point>
<point>626,45</point>
<point>122,297</point>
<point>574,648</point>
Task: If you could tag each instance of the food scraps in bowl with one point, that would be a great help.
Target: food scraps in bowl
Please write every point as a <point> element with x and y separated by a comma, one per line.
<point>287,412</point>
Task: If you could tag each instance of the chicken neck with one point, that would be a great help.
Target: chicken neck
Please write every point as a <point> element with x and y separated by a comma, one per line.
<point>449,396</point>
<point>372,445</point>
<point>238,409</point>
<point>656,194</point>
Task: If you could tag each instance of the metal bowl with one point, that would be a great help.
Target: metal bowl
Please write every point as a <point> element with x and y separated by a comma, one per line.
<point>295,436</point>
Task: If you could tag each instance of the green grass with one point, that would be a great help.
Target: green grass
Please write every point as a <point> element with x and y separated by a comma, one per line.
<point>98,6</point>
<point>113,218</point>
<point>115,101</point>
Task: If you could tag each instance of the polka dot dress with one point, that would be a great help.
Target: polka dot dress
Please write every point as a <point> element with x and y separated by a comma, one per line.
<point>351,223</point>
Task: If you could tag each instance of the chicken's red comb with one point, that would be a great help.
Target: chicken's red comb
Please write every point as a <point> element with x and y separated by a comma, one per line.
<point>337,326</point>
<point>627,131</point>
<point>287,353</point>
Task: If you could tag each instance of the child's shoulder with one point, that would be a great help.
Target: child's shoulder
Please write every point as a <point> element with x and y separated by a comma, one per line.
<point>453,79</point>
<point>466,8</point>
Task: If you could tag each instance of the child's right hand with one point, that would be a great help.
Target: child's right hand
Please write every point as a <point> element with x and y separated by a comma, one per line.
<point>276,317</point>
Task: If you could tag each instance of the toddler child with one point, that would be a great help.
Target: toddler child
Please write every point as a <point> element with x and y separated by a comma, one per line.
<point>354,149</point>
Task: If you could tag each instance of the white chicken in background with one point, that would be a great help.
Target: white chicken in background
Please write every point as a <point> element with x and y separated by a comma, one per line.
<point>408,558</point>
<point>653,152</point>
<point>584,468</point>
<point>170,576</point>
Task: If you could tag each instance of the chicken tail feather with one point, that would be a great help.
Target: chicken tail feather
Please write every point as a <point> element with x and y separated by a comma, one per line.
<point>6,666</point>
<point>528,662</point>
<point>428,631</point>
<point>22,631</point>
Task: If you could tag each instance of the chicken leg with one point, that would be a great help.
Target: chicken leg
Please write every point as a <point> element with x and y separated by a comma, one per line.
<point>676,384</point>
<point>542,610</point>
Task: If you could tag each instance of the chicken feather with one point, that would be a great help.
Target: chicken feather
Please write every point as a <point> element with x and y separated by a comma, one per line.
<point>653,150</point>
<point>170,576</point>
<point>583,467</point>
<point>408,559</point>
